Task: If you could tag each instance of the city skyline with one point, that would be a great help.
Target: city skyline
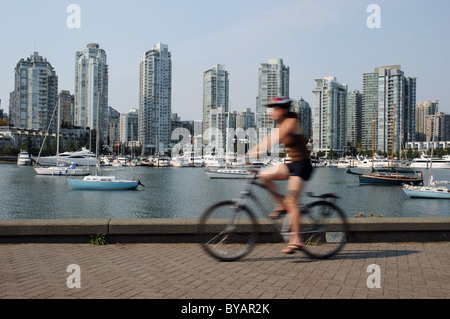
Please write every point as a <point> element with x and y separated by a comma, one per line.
<point>315,40</point>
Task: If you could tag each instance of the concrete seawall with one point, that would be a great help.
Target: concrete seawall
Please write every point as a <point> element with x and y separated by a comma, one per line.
<point>165,230</point>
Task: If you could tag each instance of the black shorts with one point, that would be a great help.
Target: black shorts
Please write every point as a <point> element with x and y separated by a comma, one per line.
<point>301,169</point>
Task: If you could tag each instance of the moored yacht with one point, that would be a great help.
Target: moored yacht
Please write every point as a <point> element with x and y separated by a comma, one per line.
<point>23,159</point>
<point>425,160</point>
<point>83,157</point>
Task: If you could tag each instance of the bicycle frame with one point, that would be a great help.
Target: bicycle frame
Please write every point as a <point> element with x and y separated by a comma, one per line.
<point>284,228</point>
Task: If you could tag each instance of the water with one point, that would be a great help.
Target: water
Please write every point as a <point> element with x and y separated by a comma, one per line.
<point>187,192</point>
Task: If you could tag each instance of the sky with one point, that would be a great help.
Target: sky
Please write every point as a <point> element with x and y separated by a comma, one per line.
<point>315,38</point>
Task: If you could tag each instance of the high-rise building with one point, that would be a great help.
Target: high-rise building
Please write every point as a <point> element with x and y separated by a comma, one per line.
<point>329,115</point>
<point>215,95</point>
<point>113,127</point>
<point>423,110</point>
<point>386,89</point>
<point>353,117</point>
<point>155,99</point>
<point>273,80</point>
<point>245,119</point>
<point>396,104</point>
<point>129,124</point>
<point>34,99</point>
<point>437,127</point>
<point>67,106</point>
<point>369,110</point>
<point>91,90</point>
<point>303,110</point>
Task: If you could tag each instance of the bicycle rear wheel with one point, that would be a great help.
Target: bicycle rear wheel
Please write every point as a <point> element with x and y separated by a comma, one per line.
<point>227,232</point>
<point>323,229</point>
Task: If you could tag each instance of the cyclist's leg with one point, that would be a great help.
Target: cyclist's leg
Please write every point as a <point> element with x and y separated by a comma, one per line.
<point>295,188</point>
<point>275,173</point>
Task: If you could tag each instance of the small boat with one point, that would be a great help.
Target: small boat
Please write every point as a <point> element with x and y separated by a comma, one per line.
<point>72,170</point>
<point>23,159</point>
<point>180,161</point>
<point>344,163</point>
<point>431,191</point>
<point>231,173</point>
<point>82,157</point>
<point>194,159</point>
<point>160,161</point>
<point>425,161</point>
<point>213,161</point>
<point>103,183</point>
<point>389,176</point>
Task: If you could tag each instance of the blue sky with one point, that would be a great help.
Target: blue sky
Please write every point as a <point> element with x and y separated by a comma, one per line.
<point>315,38</point>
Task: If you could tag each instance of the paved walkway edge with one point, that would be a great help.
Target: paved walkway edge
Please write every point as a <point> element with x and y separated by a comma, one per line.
<point>168,230</point>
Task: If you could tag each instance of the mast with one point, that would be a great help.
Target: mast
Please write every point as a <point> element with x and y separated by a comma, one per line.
<point>432,146</point>
<point>57,131</point>
<point>373,139</point>
<point>393,139</point>
<point>97,140</point>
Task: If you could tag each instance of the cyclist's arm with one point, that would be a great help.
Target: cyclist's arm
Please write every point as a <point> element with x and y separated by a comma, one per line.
<point>277,134</point>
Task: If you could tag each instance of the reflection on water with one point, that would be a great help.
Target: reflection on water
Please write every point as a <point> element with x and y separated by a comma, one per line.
<point>187,192</point>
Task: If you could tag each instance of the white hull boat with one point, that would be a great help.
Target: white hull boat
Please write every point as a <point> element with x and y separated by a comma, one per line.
<point>426,192</point>
<point>426,162</point>
<point>231,173</point>
<point>82,158</point>
<point>180,161</point>
<point>23,159</point>
<point>71,170</point>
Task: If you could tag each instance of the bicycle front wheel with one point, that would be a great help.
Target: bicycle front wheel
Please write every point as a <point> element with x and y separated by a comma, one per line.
<point>323,229</point>
<point>227,232</point>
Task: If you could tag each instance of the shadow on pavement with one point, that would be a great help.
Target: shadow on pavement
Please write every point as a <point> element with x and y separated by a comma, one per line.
<point>301,257</point>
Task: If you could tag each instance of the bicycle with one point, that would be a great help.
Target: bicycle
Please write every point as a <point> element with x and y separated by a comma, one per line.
<point>228,230</point>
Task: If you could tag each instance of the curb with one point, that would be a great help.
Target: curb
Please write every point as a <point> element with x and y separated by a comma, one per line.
<point>169,230</point>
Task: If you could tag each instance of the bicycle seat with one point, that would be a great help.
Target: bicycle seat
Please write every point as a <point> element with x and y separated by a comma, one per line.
<point>326,195</point>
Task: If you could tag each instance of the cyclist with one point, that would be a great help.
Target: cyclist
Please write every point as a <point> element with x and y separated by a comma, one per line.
<point>296,173</point>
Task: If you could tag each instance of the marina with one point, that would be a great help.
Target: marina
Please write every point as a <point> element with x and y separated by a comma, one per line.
<point>174,192</point>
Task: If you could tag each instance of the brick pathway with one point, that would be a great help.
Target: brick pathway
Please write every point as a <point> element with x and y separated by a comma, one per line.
<point>171,271</point>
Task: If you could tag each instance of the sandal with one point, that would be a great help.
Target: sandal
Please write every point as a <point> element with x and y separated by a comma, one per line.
<point>291,248</point>
<point>277,213</point>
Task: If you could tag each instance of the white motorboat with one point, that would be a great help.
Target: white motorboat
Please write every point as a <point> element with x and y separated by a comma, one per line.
<point>231,173</point>
<point>23,159</point>
<point>425,161</point>
<point>344,163</point>
<point>82,157</point>
<point>160,161</point>
<point>195,160</point>
<point>367,163</point>
<point>180,161</point>
<point>213,161</point>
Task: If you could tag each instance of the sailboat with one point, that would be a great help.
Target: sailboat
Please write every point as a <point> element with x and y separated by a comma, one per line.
<point>60,170</point>
<point>431,190</point>
<point>391,175</point>
<point>100,182</point>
